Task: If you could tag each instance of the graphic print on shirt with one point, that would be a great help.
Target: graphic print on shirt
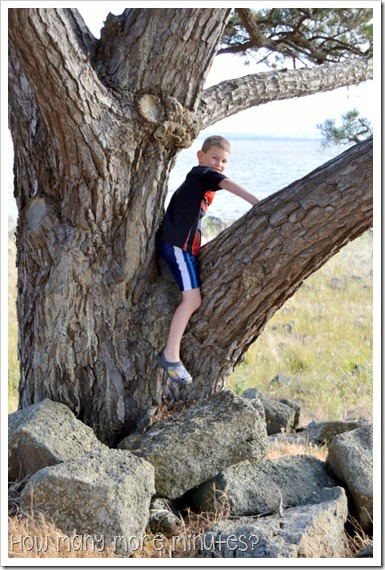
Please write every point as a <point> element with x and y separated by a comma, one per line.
<point>181,225</point>
<point>193,241</point>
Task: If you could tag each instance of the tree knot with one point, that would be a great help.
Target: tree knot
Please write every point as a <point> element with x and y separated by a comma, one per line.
<point>175,125</point>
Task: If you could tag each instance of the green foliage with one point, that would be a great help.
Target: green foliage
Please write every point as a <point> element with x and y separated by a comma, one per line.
<point>354,129</point>
<point>322,339</point>
<point>292,36</point>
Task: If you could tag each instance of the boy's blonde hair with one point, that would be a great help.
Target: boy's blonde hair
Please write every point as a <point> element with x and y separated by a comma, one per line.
<point>218,141</point>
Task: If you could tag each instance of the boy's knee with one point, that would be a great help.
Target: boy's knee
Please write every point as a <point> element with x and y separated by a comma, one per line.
<point>193,298</point>
<point>197,302</point>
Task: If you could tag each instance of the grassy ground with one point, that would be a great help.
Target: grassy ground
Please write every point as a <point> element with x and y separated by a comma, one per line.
<point>322,339</point>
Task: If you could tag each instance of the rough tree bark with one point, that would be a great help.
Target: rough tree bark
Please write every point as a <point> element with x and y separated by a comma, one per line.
<point>229,97</point>
<point>97,126</point>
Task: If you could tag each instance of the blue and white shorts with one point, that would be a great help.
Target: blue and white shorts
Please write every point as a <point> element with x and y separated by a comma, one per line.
<point>183,265</point>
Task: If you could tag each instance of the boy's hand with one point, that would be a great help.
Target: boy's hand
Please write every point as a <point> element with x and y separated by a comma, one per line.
<point>239,190</point>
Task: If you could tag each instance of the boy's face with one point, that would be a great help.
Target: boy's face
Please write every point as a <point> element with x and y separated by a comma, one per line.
<point>215,158</point>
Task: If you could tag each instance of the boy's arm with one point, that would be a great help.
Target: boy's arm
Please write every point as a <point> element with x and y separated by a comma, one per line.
<point>238,190</point>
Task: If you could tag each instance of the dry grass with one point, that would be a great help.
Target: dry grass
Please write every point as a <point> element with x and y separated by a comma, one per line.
<point>322,339</point>
<point>35,537</point>
<point>284,448</point>
<point>357,537</point>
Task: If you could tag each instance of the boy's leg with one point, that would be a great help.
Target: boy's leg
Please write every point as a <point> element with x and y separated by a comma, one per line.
<point>191,301</point>
<point>184,268</point>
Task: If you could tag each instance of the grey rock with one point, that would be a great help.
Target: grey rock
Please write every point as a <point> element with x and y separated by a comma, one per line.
<point>254,488</point>
<point>308,531</point>
<point>296,407</point>
<point>194,446</point>
<point>283,379</point>
<point>164,517</point>
<point>366,552</point>
<point>279,417</point>
<point>297,438</point>
<point>105,493</point>
<point>44,434</point>
<point>212,226</point>
<point>325,432</point>
<point>350,460</point>
<point>252,393</point>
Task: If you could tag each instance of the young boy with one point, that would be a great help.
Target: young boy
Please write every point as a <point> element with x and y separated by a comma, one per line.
<point>179,236</point>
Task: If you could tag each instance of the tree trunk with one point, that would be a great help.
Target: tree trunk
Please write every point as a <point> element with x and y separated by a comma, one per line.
<point>96,128</point>
<point>91,168</point>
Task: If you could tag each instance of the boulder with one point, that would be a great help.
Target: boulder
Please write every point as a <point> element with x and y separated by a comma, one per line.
<point>350,460</point>
<point>194,446</point>
<point>164,517</point>
<point>298,438</point>
<point>255,488</point>
<point>105,493</point>
<point>365,552</point>
<point>279,417</point>
<point>283,380</point>
<point>44,434</point>
<point>308,531</point>
<point>296,407</point>
<point>325,432</point>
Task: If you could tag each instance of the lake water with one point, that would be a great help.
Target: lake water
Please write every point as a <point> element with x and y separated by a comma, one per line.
<point>262,165</point>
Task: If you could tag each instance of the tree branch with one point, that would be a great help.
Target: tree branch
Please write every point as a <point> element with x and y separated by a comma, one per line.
<point>60,81</point>
<point>59,73</point>
<point>236,48</point>
<point>141,44</point>
<point>259,40</point>
<point>232,96</point>
<point>287,32</point>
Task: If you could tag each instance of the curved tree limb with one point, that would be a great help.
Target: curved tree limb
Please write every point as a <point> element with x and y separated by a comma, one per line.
<point>235,95</point>
<point>253,267</point>
<point>62,82</point>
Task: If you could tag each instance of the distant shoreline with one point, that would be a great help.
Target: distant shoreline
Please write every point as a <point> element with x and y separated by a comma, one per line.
<point>252,136</point>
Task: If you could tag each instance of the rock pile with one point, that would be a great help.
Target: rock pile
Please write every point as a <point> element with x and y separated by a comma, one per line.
<point>44,434</point>
<point>212,454</point>
<point>310,531</point>
<point>105,493</point>
<point>193,447</point>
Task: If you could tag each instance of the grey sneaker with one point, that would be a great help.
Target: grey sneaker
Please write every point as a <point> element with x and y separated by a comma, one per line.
<point>175,370</point>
